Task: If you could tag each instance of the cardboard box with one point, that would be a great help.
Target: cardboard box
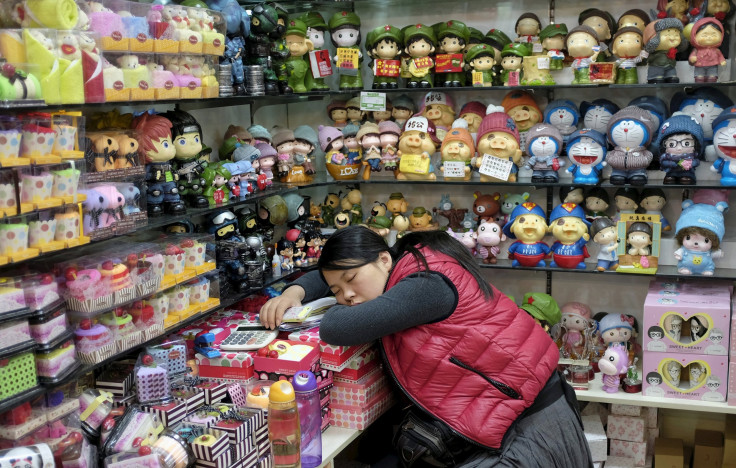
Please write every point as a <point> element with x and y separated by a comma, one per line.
<point>712,312</point>
<point>193,398</point>
<point>627,428</point>
<point>170,414</point>
<point>282,367</point>
<point>358,366</point>
<point>213,391</point>
<point>635,450</point>
<point>360,392</point>
<point>223,461</point>
<point>211,445</point>
<point>355,417</point>
<point>731,397</point>
<point>620,462</point>
<point>243,448</point>
<point>709,388</point>
<point>597,409</point>
<point>669,453</point>
<point>729,439</point>
<point>627,410</point>
<point>230,365</point>
<point>596,437</point>
<point>708,449</point>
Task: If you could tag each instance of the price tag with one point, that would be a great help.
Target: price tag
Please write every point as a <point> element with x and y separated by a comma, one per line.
<point>319,61</point>
<point>454,168</point>
<point>372,101</point>
<point>543,63</point>
<point>495,167</point>
<point>514,78</point>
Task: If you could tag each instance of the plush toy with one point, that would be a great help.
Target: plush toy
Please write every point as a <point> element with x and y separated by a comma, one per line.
<point>586,149</point>
<point>528,224</point>
<point>543,145</point>
<point>569,226</point>
<point>699,232</point>
<point>630,131</point>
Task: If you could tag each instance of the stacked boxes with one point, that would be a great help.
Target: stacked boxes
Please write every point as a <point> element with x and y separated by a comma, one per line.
<point>627,441</point>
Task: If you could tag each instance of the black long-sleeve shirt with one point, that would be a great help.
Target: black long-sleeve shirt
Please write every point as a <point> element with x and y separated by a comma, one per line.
<point>415,300</point>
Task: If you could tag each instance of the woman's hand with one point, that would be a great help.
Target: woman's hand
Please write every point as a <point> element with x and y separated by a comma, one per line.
<point>273,311</point>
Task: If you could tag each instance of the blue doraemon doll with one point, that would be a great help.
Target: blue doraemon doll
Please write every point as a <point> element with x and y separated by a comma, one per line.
<point>630,131</point>
<point>597,114</point>
<point>586,150</point>
<point>563,115</point>
<point>544,145</point>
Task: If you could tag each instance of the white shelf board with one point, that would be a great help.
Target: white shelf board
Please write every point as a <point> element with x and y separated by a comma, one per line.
<point>334,441</point>
<point>597,394</point>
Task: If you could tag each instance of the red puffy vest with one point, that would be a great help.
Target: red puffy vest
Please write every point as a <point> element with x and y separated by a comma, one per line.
<point>478,369</point>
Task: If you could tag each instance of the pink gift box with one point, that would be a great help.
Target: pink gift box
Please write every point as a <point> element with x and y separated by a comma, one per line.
<point>652,416</point>
<point>356,417</point>
<point>332,357</point>
<point>624,448</point>
<point>620,462</point>
<point>629,428</point>
<point>360,392</point>
<point>358,366</point>
<point>711,387</point>
<point>230,365</point>
<point>627,410</point>
<point>732,384</point>
<point>267,365</point>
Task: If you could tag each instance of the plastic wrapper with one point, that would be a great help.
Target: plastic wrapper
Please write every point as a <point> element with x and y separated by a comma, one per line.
<point>69,129</point>
<point>108,24</point>
<point>92,67</point>
<point>16,334</point>
<point>209,69</point>
<point>49,326</point>
<point>17,375</point>
<point>136,75</point>
<point>140,459</point>
<point>95,342</point>
<point>14,242</point>
<point>136,429</point>
<point>174,449</point>
<point>124,330</point>
<point>19,83</point>
<point>21,421</point>
<point>11,136</point>
<point>173,353</point>
<point>8,196</point>
<point>40,48</point>
<point>94,407</point>
<point>152,379</point>
<point>37,455</point>
<point>36,187</point>
<point>214,27</point>
<point>42,231</point>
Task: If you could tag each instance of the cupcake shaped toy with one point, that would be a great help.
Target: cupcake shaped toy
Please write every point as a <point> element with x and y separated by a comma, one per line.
<point>94,342</point>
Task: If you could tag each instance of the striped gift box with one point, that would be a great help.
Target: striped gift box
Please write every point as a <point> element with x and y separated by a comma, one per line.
<point>210,445</point>
<point>213,391</point>
<point>243,448</point>
<point>260,434</point>
<point>125,295</point>
<point>98,355</point>
<point>170,414</point>
<point>249,461</point>
<point>236,430</point>
<point>266,461</point>
<point>119,382</point>
<point>147,287</point>
<point>157,329</point>
<point>223,461</point>
<point>129,341</point>
<point>191,397</point>
<point>124,402</point>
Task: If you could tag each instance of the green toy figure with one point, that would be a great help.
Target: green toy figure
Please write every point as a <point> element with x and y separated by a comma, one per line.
<point>582,45</point>
<point>481,60</point>
<point>263,21</point>
<point>279,51</point>
<point>497,39</point>
<point>299,45</point>
<point>316,28</point>
<point>215,181</point>
<point>452,37</point>
<point>553,42</point>
<point>543,308</point>
<point>192,157</point>
<point>345,34</point>
<point>512,56</point>
<point>419,45</point>
<point>385,44</point>
<point>476,37</point>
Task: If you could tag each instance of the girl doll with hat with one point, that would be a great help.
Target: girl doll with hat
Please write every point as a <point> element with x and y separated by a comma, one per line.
<point>699,232</point>
<point>331,141</point>
<point>706,37</point>
<point>575,320</point>
<point>389,135</point>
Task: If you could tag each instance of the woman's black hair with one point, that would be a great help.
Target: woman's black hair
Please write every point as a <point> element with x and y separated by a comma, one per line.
<point>356,246</point>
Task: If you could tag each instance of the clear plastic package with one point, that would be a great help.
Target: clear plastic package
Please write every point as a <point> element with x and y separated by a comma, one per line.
<point>136,429</point>
<point>94,407</point>
<point>152,379</point>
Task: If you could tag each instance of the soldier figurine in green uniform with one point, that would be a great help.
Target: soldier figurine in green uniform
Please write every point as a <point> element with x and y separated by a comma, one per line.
<point>264,20</point>
<point>497,39</point>
<point>481,59</point>
<point>299,45</point>
<point>385,44</point>
<point>452,37</point>
<point>553,42</point>
<point>419,45</point>
<point>316,28</point>
<point>512,56</point>
<point>345,34</point>
<point>279,52</point>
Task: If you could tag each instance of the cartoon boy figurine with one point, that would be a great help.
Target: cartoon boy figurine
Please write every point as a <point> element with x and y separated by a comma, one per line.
<point>452,36</point>
<point>662,38</point>
<point>385,50</point>
<point>528,224</point>
<point>603,232</point>
<point>419,44</point>
<point>553,42</point>
<point>569,226</point>
<point>481,59</point>
<point>628,48</point>
<point>299,46</point>
<point>582,45</point>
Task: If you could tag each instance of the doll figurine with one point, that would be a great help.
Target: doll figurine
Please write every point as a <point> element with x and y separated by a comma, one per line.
<point>439,109</point>
<point>597,114</point>
<point>572,194</point>
<point>680,145</point>
<point>481,60</point>
<point>473,112</point>
<point>604,26</point>
<point>316,28</point>
<point>626,200</point>
<point>512,57</point>
<point>351,204</point>
<point>354,152</point>
<point>419,45</point>
<point>575,320</point>
<point>615,361</point>
<point>596,203</point>
<point>582,45</point>
<point>673,327</point>
<point>452,36</point>
<point>345,34</point>
<point>396,204</point>
<point>604,233</point>
<point>498,136</point>
<point>419,140</point>
<point>489,236</point>
<point>332,142</point>
<point>699,232</point>
<point>635,18</point>
<point>283,141</point>
<point>630,131</point>
<point>486,206</point>
<point>662,38</point>
<point>278,51</point>
<point>154,140</point>
<point>385,49</point>
<point>704,104</point>
<point>553,44</point>
<point>369,139</point>
<point>569,226</point>
<point>543,145</point>
<point>675,9</point>
<point>510,202</point>
<point>306,142</point>
<point>628,49</point>
<point>191,159</point>
<point>389,137</point>
<point>264,21</point>
<point>616,329</point>
<point>216,178</point>
<point>586,149</point>
<point>267,159</point>
<point>724,143</point>
<point>381,116</point>
<point>299,46</point>
<point>497,40</point>
<point>457,151</point>
<point>639,238</point>
<point>528,224</point>
<point>338,113</point>
<point>403,109</point>
<point>652,201</point>
<point>563,115</point>
<point>706,38</point>
<point>521,106</point>
<point>355,115</point>
<point>528,26</point>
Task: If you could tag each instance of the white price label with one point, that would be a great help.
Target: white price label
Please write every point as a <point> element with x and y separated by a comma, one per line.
<point>454,168</point>
<point>495,167</point>
<point>371,101</point>
<point>543,63</point>
<point>537,48</point>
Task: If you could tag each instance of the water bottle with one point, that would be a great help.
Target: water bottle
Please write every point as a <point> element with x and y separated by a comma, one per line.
<point>283,426</point>
<point>310,418</point>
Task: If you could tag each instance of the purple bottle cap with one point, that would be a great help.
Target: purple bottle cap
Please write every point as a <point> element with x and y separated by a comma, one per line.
<point>304,381</point>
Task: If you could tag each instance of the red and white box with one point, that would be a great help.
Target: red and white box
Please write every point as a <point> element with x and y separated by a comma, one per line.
<point>627,410</point>
<point>629,428</point>
<point>229,366</point>
<point>192,397</point>
<point>625,448</point>
<point>356,417</point>
<point>210,445</point>
<point>243,448</point>
<point>170,413</point>
<point>620,462</point>
<point>213,391</point>
<point>223,461</point>
<point>236,430</point>
<point>358,366</point>
<point>332,357</point>
<point>360,392</point>
<point>596,437</point>
<point>280,367</point>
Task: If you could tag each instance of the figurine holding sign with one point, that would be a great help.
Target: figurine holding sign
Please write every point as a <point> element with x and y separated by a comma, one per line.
<point>419,41</point>
<point>385,48</point>
<point>316,28</point>
<point>498,143</point>
<point>452,36</point>
<point>417,144</point>
<point>345,34</point>
<point>582,45</point>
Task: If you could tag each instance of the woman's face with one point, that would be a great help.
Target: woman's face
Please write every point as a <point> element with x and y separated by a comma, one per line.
<point>362,284</point>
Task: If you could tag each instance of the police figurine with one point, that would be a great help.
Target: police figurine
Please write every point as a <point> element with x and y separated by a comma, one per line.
<point>264,20</point>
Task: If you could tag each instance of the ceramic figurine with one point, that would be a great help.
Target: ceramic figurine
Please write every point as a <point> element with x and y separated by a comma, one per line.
<point>582,45</point>
<point>338,113</point>
<point>316,28</point>
<point>489,237</point>
<point>510,201</point>
<point>380,116</point>
<point>419,142</point>
<point>497,40</point>
<point>353,151</point>
<point>386,46</point>
<point>586,150</point>
<point>626,200</point>
<point>267,159</point>
<point>722,10</point>
<point>452,36</point>
<point>630,131</point>
<point>299,46</point>
<point>543,145</point>
<point>553,44</point>
<point>615,361</point>
<point>332,143</point>
<point>575,320</point>
<point>369,138</point>
<point>439,109</point>
<point>396,204</point>
<point>457,149</point>
<point>465,237</point>
<point>724,142</point>
<point>697,374</point>
<point>699,232</point>
<point>652,201</point>
<point>351,203</point>
<point>345,34</point>
<point>482,62</point>
<point>674,9</point>
<point>419,45</point>
<point>279,52</point>
<point>521,106</point>
<point>563,115</point>
<point>473,112</point>
<point>704,104</point>
<point>528,27</point>
<point>706,38</point>
<point>662,38</point>
<point>283,141</point>
<point>389,136</point>
<point>604,26</point>
<point>673,327</point>
<point>192,156</point>
<point>306,145</point>
<point>154,140</point>
<point>635,18</point>
<point>355,115</point>
<point>330,203</point>
<point>597,114</point>
<point>454,216</point>
<point>234,55</point>
<point>571,194</point>
<point>421,220</point>
<point>604,233</point>
<point>259,134</point>
<point>528,224</point>
<point>486,206</point>
<point>498,136</point>
<point>596,203</point>
<point>264,20</point>
<point>215,178</point>
<point>569,226</point>
<point>403,109</point>
<point>512,57</point>
<point>639,239</point>
<point>657,109</point>
<point>628,49</point>
<point>680,147</point>
<point>616,329</point>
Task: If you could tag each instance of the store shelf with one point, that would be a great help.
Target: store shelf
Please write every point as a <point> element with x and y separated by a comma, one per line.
<point>596,394</point>
<point>334,441</point>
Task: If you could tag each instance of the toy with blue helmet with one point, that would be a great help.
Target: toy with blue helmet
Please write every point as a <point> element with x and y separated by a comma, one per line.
<point>724,144</point>
<point>528,225</point>
<point>544,145</point>
<point>699,232</point>
<point>586,149</point>
<point>680,147</point>
<point>568,225</point>
<point>563,115</point>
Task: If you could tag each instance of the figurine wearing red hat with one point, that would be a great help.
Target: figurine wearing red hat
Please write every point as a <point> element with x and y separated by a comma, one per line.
<point>416,145</point>
<point>498,136</point>
<point>521,106</point>
<point>473,113</point>
<point>568,225</point>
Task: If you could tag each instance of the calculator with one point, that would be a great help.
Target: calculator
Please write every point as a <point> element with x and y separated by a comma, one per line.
<point>248,337</point>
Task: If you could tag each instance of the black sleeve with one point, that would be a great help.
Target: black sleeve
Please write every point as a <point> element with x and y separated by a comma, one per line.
<point>416,300</point>
<point>313,285</point>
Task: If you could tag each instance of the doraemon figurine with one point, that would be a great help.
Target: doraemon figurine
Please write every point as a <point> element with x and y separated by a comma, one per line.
<point>597,114</point>
<point>568,225</point>
<point>630,132</point>
<point>544,145</point>
<point>656,107</point>
<point>724,144</point>
<point>527,224</point>
<point>704,104</point>
<point>563,115</point>
<point>680,148</point>
<point>586,149</point>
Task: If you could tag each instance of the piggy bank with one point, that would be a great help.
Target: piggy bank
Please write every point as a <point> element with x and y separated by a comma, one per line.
<point>489,236</point>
